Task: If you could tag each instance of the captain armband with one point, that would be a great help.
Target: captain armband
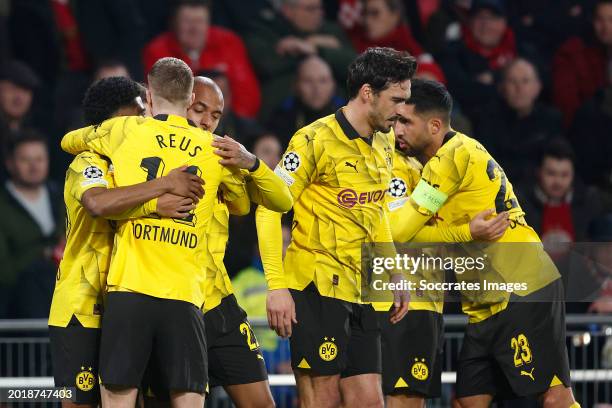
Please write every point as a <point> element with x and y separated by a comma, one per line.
<point>428,199</point>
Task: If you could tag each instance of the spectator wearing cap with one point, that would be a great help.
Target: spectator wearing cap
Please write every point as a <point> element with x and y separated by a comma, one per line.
<point>207,47</point>
<point>472,64</point>
<point>17,84</point>
<point>559,206</point>
<point>517,125</point>
<point>314,97</point>
<point>31,227</point>
<point>277,46</point>
<point>384,25</point>
<point>582,65</point>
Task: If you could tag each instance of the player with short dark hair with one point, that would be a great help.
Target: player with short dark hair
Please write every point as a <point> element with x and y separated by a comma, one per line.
<point>91,201</point>
<point>412,348</point>
<point>338,169</point>
<point>514,343</point>
<point>156,276</point>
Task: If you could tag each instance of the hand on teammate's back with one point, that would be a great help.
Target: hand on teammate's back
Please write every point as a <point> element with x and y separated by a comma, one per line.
<point>185,184</point>
<point>281,311</point>
<point>233,153</point>
<point>484,228</point>
<point>174,206</point>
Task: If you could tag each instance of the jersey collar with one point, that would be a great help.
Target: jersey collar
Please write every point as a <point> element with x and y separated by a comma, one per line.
<point>448,136</point>
<point>348,129</point>
<point>174,119</point>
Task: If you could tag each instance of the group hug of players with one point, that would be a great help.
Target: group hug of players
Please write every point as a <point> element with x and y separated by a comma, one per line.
<point>143,310</point>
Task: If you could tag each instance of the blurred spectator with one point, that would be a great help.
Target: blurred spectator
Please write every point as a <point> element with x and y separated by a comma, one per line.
<point>110,68</point>
<point>547,23</point>
<point>207,47</point>
<point>241,16</point>
<point>315,97</point>
<point>515,128</point>
<point>581,66</point>
<point>384,26</point>
<point>590,136</point>
<point>267,147</point>
<point>31,226</point>
<point>277,47</point>
<point>240,128</point>
<point>111,29</point>
<point>600,232</point>
<point>559,207</point>
<point>472,64</point>
<point>17,84</point>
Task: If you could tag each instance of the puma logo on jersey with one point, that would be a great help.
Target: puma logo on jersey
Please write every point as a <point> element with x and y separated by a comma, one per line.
<point>528,373</point>
<point>349,164</point>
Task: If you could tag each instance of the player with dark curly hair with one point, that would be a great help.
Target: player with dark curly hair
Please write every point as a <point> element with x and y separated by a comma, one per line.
<point>77,306</point>
<point>113,96</point>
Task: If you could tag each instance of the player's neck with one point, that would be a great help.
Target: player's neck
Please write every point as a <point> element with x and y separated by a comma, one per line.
<point>431,150</point>
<point>161,108</point>
<point>358,118</point>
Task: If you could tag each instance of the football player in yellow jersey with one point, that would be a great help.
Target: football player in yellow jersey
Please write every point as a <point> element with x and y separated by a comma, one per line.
<point>412,348</point>
<point>77,305</point>
<point>514,344</point>
<point>234,358</point>
<point>338,169</point>
<point>155,279</point>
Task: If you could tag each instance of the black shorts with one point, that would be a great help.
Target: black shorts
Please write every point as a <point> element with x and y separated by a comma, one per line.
<point>519,351</point>
<point>137,328</point>
<point>412,353</point>
<point>234,356</point>
<point>74,353</point>
<point>333,336</point>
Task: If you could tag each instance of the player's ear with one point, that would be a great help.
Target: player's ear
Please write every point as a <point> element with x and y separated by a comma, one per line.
<point>366,92</point>
<point>150,101</point>
<point>192,99</point>
<point>435,125</point>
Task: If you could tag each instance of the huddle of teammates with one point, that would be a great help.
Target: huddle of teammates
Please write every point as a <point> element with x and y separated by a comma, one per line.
<point>143,300</point>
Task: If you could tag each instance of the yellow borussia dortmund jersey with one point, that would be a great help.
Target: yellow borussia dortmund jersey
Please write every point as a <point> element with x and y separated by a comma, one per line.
<point>218,284</point>
<point>264,188</point>
<point>406,175</point>
<point>338,181</point>
<point>81,277</point>
<point>161,257</point>
<point>464,172</point>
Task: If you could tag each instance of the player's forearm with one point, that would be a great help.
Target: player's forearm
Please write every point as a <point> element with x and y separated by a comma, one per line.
<point>270,239</point>
<point>429,233</point>
<point>124,202</point>
<point>267,189</point>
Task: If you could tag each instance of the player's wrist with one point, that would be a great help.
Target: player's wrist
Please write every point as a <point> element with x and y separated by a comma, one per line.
<point>255,164</point>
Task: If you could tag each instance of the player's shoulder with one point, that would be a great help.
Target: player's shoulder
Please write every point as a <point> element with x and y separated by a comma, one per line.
<point>87,159</point>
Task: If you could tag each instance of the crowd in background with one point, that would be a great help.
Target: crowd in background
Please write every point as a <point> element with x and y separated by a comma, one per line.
<point>532,80</point>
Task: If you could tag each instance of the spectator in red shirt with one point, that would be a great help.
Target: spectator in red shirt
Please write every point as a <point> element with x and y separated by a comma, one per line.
<point>559,207</point>
<point>207,47</point>
<point>384,26</point>
<point>581,66</point>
